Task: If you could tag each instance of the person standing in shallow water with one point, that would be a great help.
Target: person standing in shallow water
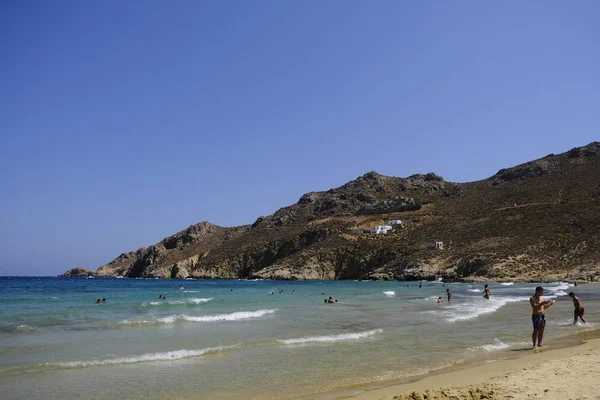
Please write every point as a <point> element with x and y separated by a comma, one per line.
<point>486,292</point>
<point>538,316</point>
<point>448,294</point>
<point>578,308</point>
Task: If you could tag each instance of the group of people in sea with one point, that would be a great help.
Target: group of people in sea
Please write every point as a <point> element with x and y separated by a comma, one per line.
<point>448,294</point>
<point>539,306</point>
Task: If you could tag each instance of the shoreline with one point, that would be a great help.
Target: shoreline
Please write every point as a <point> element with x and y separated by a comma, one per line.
<point>510,377</point>
<point>468,280</point>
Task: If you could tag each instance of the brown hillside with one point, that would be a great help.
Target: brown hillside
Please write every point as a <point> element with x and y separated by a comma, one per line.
<point>538,220</point>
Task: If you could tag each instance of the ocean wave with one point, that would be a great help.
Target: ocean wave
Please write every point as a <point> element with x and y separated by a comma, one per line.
<point>193,300</point>
<point>25,328</point>
<point>558,286</point>
<point>236,316</point>
<point>556,294</point>
<point>497,345</point>
<point>558,290</point>
<point>148,357</point>
<point>507,283</point>
<point>467,311</point>
<point>18,328</point>
<point>332,338</point>
<point>389,293</point>
<point>171,319</point>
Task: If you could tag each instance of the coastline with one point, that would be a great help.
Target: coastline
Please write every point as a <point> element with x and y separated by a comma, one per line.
<point>553,372</point>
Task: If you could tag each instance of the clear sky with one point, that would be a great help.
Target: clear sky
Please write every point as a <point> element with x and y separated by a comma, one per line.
<point>123,122</point>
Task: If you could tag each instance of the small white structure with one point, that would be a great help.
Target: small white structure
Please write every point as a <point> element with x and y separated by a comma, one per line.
<point>396,224</point>
<point>435,246</point>
<point>381,229</point>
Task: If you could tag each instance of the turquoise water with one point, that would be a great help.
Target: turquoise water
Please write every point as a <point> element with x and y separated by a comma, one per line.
<point>219,339</point>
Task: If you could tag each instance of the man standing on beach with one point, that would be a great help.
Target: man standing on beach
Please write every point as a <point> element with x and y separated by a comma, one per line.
<point>538,305</point>
<point>578,308</point>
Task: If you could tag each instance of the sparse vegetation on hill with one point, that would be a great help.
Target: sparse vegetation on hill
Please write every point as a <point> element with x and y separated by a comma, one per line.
<point>538,220</point>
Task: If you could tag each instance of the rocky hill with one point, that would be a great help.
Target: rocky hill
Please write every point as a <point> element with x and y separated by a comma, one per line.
<point>538,220</point>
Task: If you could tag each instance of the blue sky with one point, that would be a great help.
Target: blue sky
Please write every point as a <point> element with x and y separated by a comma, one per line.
<point>122,123</point>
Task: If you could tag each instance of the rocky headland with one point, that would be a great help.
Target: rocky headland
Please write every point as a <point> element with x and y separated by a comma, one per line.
<point>535,221</point>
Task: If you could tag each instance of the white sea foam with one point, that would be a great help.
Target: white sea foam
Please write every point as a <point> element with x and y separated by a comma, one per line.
<point>497,345</point>
<point>475,290</point>
<point>558,286</point>
<point>556,294</point>
<point>466,311</point>
<point>389,293</point>
<point>236,316</point>
<point>171,319</point>
<point>192,300</point>
<point>332,338</point>
<point>507,283</point>
<point>558,290</point>
<point>25,328</point>
<point>148,357</point>
<point>201,300</point>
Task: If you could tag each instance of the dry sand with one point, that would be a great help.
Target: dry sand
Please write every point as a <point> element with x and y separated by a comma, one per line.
<point>560,374</point>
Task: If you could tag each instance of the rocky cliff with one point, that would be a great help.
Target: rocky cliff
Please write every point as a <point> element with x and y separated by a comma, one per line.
<point>538,220</point>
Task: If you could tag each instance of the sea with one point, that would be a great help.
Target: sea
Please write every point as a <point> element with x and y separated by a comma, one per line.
<point>243,339</point>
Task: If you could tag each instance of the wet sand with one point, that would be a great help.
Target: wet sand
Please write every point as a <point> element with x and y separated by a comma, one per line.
<point>561,373</point>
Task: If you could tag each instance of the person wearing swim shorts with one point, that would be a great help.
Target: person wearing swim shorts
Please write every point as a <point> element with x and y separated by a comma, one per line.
<point>578,308</point>
<point>538,316</point>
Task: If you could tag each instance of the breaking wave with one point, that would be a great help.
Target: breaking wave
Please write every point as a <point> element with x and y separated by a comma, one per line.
<point>193,300</point>
<point>497,345</point>
<point>148,357</point>
<point>332,338</point>
<point>171,319</point>
<point>467,311</point>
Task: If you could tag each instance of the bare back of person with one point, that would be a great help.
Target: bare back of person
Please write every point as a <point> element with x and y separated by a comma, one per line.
<point>579,310</point>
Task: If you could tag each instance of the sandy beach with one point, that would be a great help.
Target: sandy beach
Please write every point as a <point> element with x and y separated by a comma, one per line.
<point>545,373</point>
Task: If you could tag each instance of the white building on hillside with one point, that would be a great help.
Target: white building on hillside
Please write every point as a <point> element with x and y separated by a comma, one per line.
<point>435,246</point>
<point>396,224</point>
<point>381,229</point>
